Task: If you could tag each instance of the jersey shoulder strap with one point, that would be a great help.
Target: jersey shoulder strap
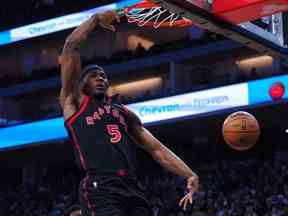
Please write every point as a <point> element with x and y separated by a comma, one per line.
<point>76,114</point>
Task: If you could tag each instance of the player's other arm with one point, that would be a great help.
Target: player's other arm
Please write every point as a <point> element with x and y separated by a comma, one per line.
<point>142,137</point>
<point>159,152</point>
<point>163,155</point>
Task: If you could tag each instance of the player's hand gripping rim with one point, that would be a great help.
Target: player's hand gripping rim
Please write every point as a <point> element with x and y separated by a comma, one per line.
<point>192,187</point>
<point>107,19</point>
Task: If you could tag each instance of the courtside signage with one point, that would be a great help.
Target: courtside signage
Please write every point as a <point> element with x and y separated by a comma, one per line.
<point>57,24</point>
<point>192,104</point>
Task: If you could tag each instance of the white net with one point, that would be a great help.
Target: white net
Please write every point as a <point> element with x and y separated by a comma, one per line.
<point>155,16</point>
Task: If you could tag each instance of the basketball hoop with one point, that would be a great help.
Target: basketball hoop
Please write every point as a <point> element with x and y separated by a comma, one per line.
<point>149,14</point>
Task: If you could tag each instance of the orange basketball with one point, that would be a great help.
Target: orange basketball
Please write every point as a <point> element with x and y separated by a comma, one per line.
<point>241,130</point>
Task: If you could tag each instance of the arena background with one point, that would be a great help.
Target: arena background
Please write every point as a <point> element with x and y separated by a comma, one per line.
<point>41,177</point>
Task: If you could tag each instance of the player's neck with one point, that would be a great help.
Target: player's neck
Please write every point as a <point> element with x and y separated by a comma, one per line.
<point>98,99</point>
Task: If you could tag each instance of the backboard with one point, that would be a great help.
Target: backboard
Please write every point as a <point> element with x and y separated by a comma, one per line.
<point>267,34</point>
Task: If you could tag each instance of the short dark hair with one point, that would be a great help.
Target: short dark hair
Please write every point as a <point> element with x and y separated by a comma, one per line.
<point>89,69</point>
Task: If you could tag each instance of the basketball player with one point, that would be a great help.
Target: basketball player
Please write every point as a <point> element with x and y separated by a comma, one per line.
<point>104,133</point>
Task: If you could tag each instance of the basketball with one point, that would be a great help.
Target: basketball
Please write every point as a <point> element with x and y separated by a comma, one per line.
<point>241,131</point>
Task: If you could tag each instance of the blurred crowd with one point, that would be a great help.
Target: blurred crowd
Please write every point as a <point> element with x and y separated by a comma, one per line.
<point>243,188</point>
<point>229,188</point>
<point>51,195</point>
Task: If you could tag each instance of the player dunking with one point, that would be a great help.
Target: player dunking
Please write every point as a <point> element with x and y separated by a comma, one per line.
<point>103,134</point>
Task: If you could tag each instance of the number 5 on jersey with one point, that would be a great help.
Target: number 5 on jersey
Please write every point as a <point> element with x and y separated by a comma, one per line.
<point>114,132</point>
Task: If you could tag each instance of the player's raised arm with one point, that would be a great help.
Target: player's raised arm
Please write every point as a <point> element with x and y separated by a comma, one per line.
<point>70,58</point>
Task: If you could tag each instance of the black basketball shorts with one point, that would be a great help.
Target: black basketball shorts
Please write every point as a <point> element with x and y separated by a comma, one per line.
<point>112,196</point>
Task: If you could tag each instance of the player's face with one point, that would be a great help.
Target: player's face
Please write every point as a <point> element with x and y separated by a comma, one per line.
<point>96,83</point>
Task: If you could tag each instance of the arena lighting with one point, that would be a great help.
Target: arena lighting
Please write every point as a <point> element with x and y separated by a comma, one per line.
<point>138,86</point>
<point>286,131</point>
<point>254,62</point>
<point>184,105</point>
<point>57,24</point>
<point>134,41</point>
